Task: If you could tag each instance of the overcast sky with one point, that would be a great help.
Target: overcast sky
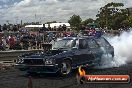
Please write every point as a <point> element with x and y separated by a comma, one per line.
<point>50,10</point>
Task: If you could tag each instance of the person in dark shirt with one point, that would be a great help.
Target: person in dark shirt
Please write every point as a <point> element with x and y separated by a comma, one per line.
<point>25,41</point>
<point>33,41</point>
<point>55,29</point>
<point>11,42</point>
<point>43,29</point>
<point>60,28</point>
<point>49,28</point>
<point>0,29</point>
<point>15,28</point>
<point>64,27</point>
<point>39,40</point>
<point>4,27</point>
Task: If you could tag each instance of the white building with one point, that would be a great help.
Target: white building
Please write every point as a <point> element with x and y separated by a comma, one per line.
<point>52,25</point>
<point>34,26</point>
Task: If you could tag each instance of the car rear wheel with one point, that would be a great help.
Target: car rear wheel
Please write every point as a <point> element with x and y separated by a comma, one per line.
<point>66,68</point>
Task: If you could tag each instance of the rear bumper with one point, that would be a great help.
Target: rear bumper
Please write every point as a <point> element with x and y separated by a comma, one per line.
<point>38,68</point>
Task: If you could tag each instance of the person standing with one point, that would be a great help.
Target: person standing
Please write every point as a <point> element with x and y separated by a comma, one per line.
<point>43,29</point>
<point>15,28</point>
<point>39,40</point>
<point>4,42</point>
<point>11,42</point>
<point>0,29</point>
<point>64,27</point>
<point>33,41</point>
<point>4,28</point>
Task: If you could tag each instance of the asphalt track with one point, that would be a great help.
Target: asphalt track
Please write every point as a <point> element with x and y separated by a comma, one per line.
<point>14,78</point>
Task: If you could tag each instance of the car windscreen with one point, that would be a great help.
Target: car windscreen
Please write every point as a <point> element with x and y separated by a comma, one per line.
<point>64,44</point>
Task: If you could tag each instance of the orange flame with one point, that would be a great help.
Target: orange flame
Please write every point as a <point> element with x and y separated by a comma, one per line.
<point>81,71</point>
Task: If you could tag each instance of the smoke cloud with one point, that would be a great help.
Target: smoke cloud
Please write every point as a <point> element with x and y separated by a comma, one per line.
<point>122,49</point>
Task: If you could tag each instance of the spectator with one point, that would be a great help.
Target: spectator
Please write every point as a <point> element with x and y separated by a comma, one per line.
<point>50,36</point>
<point>1,43</point>
<point>15,28</point>
<point>64,27</point>
<point>39,40</point>
<point>33,41</point>
<point>25,41</point>
<point>0,29</point>
<point>49,28</point>
<point>41,30</point>
<point>55,29</point>
<point>11,42</point>
<point>60,28</point>
<point>4,42</point>
<point>4,27</point>
<point>45,36</point>
<point>1,46</point>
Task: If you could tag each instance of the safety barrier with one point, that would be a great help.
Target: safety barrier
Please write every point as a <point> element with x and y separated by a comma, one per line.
<point>13,54</point>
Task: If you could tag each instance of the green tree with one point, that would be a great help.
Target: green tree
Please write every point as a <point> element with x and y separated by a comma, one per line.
<point>130,20</point>
<point>125,23</point>
<point>87,21</point>
<point>75,21</point>
<point>111,16</point>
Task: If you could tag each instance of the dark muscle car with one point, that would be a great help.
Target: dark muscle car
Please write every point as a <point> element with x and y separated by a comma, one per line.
<point>66,54</point>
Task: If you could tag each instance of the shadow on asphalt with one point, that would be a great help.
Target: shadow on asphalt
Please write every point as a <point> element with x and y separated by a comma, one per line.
<point>49,76</point>
<point>57,77</point>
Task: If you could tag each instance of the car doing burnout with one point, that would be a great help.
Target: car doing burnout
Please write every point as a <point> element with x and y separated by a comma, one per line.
<point>66,54</point>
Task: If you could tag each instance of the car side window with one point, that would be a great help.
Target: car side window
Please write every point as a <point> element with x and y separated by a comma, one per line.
<point>92,43</point>
<point>82,44</point>
<point>102,42</point>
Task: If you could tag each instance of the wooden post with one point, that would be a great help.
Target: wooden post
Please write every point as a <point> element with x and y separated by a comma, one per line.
<point>30,85</point>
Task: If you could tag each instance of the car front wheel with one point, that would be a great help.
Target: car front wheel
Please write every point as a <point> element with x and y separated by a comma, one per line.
<point>65,68</point>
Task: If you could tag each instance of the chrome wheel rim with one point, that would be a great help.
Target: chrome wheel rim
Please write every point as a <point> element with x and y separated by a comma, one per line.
<point>66,68</point>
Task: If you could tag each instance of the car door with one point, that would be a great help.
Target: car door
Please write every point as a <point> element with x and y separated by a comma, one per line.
<point>95,51</point>
<point>83,53</point>
<point>105,46</point>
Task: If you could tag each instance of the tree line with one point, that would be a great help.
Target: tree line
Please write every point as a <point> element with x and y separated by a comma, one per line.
<point>112,16</point>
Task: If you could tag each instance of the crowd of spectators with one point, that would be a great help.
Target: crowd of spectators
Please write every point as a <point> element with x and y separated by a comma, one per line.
<point>15,37</point>
<point>18,38</point>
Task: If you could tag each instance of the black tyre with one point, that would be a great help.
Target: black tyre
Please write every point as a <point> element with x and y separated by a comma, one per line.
<point>65,68</point>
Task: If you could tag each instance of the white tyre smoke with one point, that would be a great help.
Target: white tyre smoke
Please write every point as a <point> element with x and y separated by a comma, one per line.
<point>122,48</point>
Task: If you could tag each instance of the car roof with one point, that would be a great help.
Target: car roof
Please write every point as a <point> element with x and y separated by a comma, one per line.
<point>70,38</point>
<point>73,38</point>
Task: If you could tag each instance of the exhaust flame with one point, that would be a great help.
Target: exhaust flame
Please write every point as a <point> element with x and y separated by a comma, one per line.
<point>81,76</point>
<point>81,71</point>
